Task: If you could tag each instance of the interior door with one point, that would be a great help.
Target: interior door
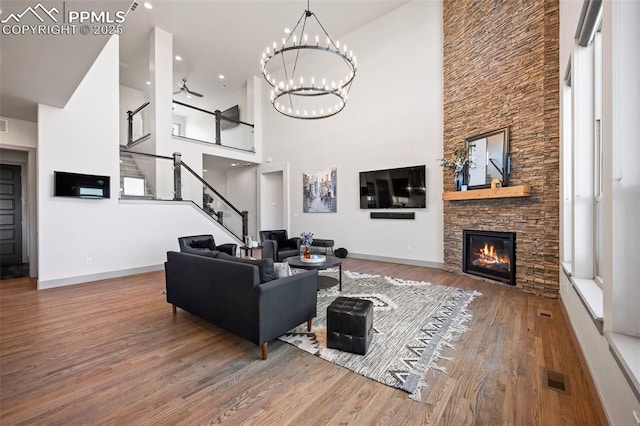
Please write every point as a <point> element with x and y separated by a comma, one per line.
<point>10,215</point>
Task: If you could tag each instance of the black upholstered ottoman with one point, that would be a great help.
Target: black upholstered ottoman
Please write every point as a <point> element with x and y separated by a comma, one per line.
<point>326,244</point>
<point>350,325</point>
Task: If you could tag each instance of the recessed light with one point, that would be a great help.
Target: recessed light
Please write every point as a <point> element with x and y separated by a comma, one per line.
<point>287,30</point>
<point>205,170</point>
<point>178,58</point>
<point>234,164</point>
<point>221,76</point>
<point>189,96</point>
<point>148,83</point>
<point>148,5</point>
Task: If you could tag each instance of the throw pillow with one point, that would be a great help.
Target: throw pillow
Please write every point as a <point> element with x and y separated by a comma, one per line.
<point>265,266</point>
<point>281,269</point>
<point>204,252</point>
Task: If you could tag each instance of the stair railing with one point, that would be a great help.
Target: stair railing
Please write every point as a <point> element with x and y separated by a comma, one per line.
<point>138,128</point>
<point>211,201</point>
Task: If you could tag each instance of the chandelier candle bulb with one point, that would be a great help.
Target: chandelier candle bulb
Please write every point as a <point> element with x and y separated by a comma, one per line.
<point>305,39</point>
<point>317,39</point>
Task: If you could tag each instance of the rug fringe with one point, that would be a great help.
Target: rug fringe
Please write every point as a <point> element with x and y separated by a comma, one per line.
<point>455,331</point>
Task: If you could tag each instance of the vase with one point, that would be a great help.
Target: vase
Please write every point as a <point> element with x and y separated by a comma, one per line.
<point>458,179</point>
<point>307,253</point>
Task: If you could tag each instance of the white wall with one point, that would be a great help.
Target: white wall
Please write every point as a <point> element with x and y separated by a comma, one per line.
<point>393,119</point>
<point>20,134</point>
<point>82,240</point>
<point>242,193</point>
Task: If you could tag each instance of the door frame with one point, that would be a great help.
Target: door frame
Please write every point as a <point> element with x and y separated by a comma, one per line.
<point>263,170</point>
<point>30,204</point>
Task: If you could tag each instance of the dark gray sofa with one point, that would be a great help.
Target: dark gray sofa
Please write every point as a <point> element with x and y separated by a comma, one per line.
<point>229,293</point>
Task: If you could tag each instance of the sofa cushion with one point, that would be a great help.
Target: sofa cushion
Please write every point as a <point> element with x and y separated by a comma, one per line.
<point>202,244</point>
<point>279,236</point>
<point>265,266</point>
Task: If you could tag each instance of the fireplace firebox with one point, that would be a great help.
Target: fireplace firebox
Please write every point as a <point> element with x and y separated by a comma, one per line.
<point>490,255</point>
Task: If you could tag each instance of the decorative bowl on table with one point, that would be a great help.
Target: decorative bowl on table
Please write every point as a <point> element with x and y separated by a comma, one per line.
<point>313,259</point>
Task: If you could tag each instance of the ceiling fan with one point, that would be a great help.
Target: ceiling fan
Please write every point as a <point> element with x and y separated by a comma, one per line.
<point>185,89</point>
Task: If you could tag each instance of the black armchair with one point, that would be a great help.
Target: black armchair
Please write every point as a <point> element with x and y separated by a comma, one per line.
<point>278,246</point>
<point>202,244</point>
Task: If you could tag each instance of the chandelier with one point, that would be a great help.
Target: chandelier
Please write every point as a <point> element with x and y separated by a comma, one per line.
<point>310,75</point>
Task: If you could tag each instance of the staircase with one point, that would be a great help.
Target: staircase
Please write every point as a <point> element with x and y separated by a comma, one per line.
<point>129,169</point>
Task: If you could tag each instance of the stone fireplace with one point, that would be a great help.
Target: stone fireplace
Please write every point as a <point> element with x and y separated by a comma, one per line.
<point>500,62</point>
<point>490,255</point>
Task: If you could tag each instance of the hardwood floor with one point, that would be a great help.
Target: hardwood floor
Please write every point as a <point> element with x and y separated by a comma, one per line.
<point>113,352</point>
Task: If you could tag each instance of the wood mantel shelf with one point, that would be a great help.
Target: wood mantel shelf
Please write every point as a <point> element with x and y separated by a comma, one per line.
<point>478,194</point>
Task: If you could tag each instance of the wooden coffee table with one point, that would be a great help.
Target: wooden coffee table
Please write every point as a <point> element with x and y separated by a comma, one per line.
<point>323,281</point>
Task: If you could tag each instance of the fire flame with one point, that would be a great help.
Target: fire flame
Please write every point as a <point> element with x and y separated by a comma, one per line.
<point>488,255</point>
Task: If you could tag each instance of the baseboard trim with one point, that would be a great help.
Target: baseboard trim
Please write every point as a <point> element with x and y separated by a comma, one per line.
<point>61,282</point>
<point>402,261</point>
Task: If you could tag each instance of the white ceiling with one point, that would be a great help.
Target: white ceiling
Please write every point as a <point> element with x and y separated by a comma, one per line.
<point>45,68</point>
<point>213,37</point>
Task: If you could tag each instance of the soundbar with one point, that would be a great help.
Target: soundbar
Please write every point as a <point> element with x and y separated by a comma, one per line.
<point>393,215</point>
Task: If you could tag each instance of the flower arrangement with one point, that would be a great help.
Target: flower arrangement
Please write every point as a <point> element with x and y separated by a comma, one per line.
<point>459,161</point>
<point>307,238</point>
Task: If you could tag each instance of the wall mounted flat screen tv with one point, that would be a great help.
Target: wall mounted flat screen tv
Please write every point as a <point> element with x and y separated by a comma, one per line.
<point>402,188</point>
<point>78,185</point>
<point>232,113</point>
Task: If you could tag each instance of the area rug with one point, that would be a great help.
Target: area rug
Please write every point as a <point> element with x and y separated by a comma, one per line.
<point>412,323</point>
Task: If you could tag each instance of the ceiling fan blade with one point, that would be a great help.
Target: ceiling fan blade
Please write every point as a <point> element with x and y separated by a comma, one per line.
<point>195,93</point>
<point>178,92</point>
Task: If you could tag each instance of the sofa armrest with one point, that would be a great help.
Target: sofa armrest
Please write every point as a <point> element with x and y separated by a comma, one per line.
<point>294,242</point>
<point>285,303</point>
<point>228,248</point>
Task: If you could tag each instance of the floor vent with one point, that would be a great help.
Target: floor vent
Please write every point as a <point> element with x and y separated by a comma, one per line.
<point>554,381</point>
<point>544,313</point>
<point>4,126</point>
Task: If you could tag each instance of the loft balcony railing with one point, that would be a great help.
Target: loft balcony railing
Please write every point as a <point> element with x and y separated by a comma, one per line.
<point>195,124</point>
<point>198,124</point>
<point>156,177</point>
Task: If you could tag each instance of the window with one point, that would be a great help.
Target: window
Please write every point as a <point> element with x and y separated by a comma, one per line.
<point>598,249</point>
<point>567,170</point>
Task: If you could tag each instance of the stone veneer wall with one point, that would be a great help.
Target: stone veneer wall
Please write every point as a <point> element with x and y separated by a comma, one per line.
<point>501,69</point>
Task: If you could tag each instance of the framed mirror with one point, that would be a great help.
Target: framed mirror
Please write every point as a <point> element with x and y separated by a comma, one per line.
<point>488,158</point>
